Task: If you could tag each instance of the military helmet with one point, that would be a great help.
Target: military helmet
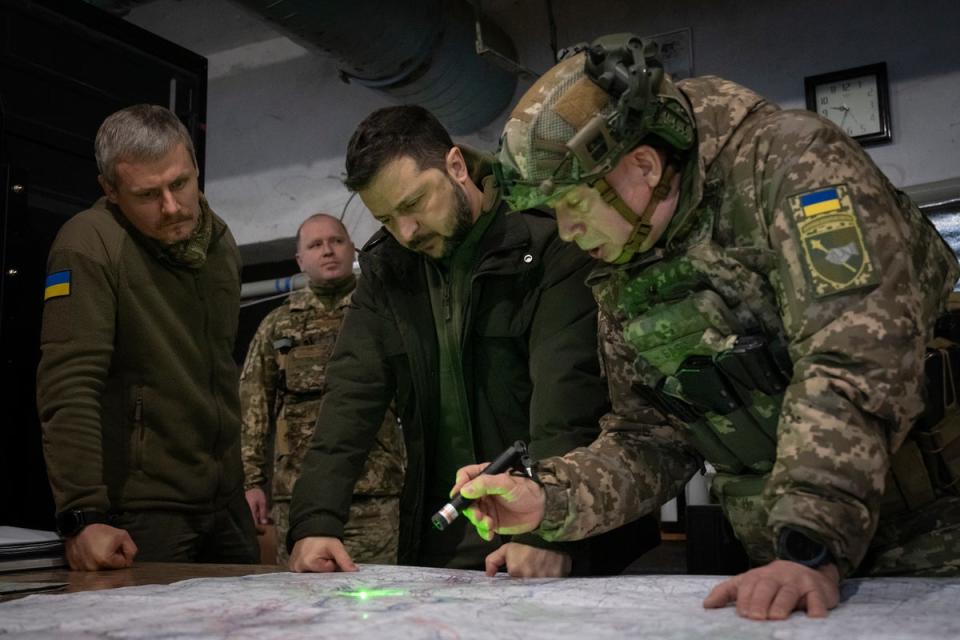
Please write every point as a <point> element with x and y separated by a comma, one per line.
<point>576,122</point>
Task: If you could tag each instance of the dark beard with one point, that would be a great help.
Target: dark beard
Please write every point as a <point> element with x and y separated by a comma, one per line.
<point>463,221</point>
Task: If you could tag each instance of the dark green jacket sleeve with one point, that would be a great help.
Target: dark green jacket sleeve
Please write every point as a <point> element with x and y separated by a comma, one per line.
<point>76,341</point>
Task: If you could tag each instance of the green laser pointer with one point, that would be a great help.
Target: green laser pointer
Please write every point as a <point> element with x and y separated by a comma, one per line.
<point>517,453</point>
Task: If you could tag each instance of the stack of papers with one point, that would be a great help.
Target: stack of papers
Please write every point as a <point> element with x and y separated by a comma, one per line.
<point>29,549</point>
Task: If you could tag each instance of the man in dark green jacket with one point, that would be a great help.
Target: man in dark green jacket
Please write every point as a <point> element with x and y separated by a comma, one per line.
<point>480,324</point>
<point>137,388</point>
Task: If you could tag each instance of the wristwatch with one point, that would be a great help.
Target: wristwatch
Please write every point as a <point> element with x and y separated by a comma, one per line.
<point>796,546</point>
<point>70,523</point>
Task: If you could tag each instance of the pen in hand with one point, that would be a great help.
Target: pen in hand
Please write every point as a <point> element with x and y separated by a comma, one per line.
<point>504,462</point>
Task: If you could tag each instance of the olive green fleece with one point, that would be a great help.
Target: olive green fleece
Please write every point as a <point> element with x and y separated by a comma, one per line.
<point>137,388</point>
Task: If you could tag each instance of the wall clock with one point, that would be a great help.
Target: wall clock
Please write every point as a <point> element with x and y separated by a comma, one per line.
<point>856,99</point>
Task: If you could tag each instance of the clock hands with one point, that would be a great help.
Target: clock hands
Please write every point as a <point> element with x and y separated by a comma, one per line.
<point>847,112</point>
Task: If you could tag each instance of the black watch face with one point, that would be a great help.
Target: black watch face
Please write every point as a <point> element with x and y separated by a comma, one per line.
<point>797,547</point>
<point>801,547</point>
<point>69,522</point>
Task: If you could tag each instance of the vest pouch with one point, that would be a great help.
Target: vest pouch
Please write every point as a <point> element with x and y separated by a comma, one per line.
<point>712,448</point>
<point>941,447</point>
<point>927,464</point>
<point>740,433</point>
<point>669,279</point>
<point>305,369</point>
<point>765,411</point>
<point>680,340</point>
<point>294,432</point>
<point>728,411</point>
<point>907,485</point>
<point>753,367</point>
<point>669,332</point>
<point>938,431</point>
<point>741,498</point>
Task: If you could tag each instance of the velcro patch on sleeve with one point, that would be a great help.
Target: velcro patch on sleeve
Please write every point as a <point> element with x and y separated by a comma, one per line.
<point>57,285</point>
<point>835,253</point>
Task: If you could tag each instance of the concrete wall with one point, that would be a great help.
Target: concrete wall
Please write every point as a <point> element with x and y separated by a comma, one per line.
<point>279,118</point>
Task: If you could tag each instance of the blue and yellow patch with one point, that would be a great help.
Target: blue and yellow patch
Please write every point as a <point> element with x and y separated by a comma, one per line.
<point>822,201</point>
<point>58,285</point>
<point>835,253</point>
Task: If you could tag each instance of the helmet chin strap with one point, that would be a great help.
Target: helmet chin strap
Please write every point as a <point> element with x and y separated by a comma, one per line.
<point>641,223</point>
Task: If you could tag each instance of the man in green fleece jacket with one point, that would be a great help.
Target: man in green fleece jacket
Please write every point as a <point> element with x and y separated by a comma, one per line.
<point>136,387</point>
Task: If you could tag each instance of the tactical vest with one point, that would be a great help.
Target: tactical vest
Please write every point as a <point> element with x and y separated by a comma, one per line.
<point>711,351</point>
<point>301,356</point>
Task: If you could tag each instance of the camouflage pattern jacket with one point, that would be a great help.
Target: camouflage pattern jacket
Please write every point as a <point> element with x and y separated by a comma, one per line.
<point>281,388</point>
<point>752,220</point>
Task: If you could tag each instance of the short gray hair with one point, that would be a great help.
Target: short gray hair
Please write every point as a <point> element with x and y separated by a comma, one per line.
<point>142,132</point>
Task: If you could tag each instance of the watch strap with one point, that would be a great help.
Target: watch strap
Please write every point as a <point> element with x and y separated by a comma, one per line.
<point>72,522</point>
<point>796,546</point>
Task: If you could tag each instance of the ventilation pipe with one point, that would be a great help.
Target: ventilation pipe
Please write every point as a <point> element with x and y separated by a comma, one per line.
<point>417,51</point>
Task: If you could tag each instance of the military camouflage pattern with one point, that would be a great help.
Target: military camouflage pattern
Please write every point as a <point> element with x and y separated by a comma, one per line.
<point>553,139</point>
<point>280,396</point>
<point>932,533</point>
<point>856,351</point>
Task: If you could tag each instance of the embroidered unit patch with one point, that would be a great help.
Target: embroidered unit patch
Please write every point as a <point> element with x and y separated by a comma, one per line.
<point>835,253</point>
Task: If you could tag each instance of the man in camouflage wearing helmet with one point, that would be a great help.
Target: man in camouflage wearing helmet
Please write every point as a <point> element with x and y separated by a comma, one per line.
<point>281,387</point>
<point>766,307</point>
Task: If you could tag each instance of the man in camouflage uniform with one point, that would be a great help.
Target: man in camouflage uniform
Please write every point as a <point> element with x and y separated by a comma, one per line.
<point>281,387</point>
<point>766,308</point>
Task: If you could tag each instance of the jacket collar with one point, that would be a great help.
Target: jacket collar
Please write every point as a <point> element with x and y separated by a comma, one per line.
<point>304,299</point>
<point>154,247</point>
<point>506,247</point>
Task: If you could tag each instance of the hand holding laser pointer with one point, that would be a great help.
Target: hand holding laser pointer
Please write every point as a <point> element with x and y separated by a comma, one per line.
<point>514,454</point>
<point>495,501</point>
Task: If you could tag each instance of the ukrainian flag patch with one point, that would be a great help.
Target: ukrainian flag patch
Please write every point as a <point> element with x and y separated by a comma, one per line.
<point>823,201</point>
<point>58,285</point>
<point>836,256</point>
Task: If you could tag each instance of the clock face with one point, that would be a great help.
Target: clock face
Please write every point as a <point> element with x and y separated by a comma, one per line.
<point>852,103</point>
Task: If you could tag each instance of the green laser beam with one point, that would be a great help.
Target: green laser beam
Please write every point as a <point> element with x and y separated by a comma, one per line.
<point>366,594</point>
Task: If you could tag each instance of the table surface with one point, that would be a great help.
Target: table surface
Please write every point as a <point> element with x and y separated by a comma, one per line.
<point>265,602</point>
<point>141,573</point>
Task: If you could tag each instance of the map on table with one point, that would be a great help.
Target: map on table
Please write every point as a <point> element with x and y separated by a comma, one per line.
<point>414,602</point>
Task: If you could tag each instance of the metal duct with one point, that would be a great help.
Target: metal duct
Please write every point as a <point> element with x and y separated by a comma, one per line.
<point>417,51</point>
<point>118,8</point>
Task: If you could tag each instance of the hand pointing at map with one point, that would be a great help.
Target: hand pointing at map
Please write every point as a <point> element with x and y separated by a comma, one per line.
<point>320,555</point>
